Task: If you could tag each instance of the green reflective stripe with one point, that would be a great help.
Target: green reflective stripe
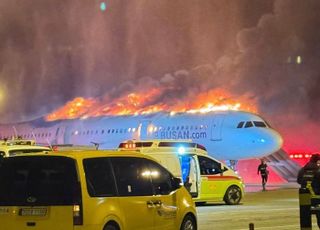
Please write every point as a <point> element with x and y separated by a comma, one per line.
<point>310,188</point>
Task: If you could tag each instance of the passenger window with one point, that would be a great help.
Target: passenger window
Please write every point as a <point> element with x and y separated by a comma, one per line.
<point>132,176</point>
<point>99,177</point>
<point>209,166</point>
<point>248,124</point>
<point>240,125</point>
<point>161,179</point>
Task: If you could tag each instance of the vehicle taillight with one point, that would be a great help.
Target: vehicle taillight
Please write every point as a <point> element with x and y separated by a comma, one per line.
<point>55,148</point>
<point>77,215</point>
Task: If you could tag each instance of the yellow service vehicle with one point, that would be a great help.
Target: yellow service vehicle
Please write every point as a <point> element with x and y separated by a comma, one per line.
<point>207,179</point>
<point>15,147</point>
<point>92,190</point>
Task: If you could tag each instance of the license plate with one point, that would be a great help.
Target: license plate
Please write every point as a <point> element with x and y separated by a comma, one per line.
<point>33,212</point>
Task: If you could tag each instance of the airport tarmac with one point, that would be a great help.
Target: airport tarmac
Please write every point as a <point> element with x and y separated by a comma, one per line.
<point>277,209</point>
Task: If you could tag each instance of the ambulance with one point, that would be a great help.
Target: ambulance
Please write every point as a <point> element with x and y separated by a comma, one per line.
<point>207,179</point>
<point>14,147</point>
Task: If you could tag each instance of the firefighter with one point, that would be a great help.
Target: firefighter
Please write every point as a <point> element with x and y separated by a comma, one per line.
<point>307,172</point>
<point>309,177</point>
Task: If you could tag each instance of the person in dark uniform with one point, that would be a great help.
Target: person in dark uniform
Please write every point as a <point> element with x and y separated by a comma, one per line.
<point>263,171</point>
<point>309,175</point>
<point>307,172</point>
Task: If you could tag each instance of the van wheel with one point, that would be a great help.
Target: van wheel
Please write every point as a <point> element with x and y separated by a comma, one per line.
<point>188,223</point>
<point>111,226</point>
<point>233,195</point>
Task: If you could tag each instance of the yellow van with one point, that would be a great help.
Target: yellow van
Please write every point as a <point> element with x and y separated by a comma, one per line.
<point>91,190</point>
<point>207,179</point>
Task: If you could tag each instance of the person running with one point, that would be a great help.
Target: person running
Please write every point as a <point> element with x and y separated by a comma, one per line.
<point>263,171</point>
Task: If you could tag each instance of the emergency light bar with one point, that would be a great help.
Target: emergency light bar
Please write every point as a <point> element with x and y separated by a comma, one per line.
<point>17,142</point>
<point>132,145</point>
<point>300,156</point>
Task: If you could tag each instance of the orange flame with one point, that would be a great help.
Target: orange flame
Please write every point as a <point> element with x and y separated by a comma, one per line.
<point>144,103</point>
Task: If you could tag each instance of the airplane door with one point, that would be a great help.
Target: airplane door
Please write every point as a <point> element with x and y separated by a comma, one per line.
<point>189,174</point>
<point>194,179</point>
<point>216,127</point>
<point>60,135</point>
<point>143,129</point>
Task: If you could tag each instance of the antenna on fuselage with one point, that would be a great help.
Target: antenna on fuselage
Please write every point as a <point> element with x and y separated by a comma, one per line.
<point>34,136</point>
<point>96,144</point>
<point>50,146</point>
<point>15,132</point>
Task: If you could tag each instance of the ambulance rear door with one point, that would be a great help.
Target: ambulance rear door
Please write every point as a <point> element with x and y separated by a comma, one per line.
<point>190,173</point>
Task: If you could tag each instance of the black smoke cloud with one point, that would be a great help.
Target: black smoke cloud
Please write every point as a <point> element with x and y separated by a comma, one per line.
<point>278,64</point>
<point>55,50</point>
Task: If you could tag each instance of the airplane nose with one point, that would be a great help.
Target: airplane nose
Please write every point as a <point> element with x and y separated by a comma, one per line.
<point>278,140</point>
<point>270,140</point>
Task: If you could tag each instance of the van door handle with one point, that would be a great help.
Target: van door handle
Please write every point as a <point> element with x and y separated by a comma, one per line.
<point>31,224</point>
<point>157,203</point>
<point>150,204</point>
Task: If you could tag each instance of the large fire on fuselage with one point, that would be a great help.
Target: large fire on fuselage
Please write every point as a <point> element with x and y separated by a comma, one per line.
<point>148,102</point>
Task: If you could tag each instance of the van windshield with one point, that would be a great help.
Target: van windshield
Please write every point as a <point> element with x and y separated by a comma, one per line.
<point>38,180</point>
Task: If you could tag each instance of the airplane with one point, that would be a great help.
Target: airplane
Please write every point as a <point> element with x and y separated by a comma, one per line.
<point>227,135</point>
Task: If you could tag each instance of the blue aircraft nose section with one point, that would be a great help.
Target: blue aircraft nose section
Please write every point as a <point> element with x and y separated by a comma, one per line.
<point>268,140</point>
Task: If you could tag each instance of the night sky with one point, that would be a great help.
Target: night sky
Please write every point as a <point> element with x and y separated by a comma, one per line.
<point>52,51</point>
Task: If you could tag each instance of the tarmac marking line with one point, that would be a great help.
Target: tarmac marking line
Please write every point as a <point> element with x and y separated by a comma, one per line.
<point>285,227</point>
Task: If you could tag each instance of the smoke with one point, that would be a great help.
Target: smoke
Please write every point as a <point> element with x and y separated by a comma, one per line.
<point>55,50</point>
<point>278,64</point>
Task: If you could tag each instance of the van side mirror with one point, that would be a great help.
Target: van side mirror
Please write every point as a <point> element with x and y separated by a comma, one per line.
<point>176,183</point>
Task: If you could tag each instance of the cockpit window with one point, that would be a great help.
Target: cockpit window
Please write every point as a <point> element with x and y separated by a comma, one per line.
<point>248,124</point>
<point>259,124</point>
<point>268,125</point>
<point>240,125</point>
